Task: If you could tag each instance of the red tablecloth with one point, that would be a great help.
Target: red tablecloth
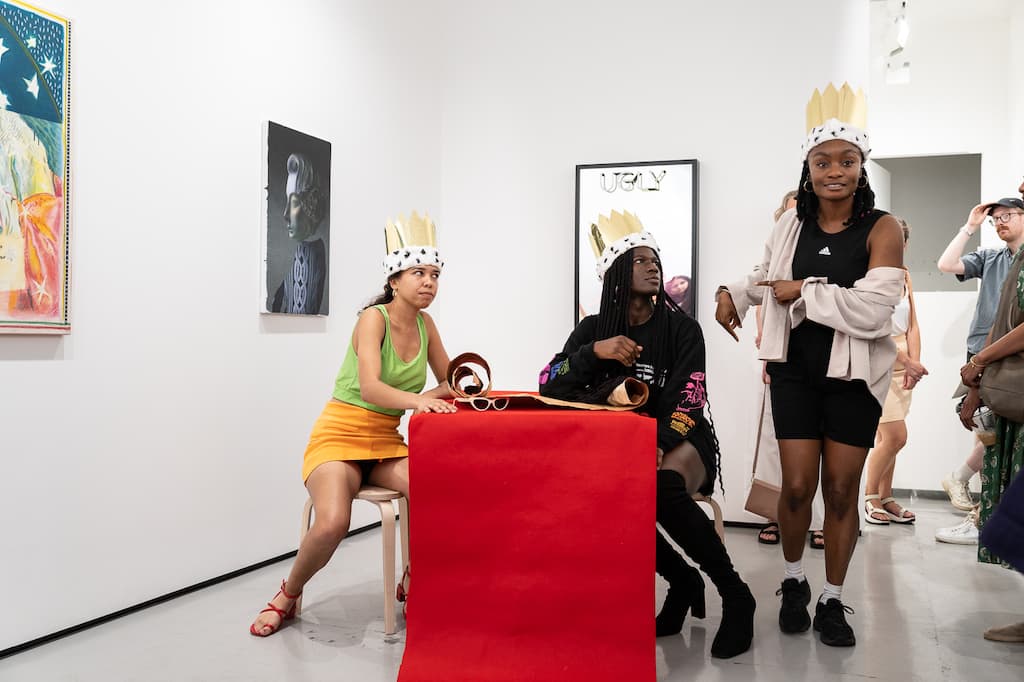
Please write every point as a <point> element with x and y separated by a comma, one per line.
<point>531,546</point>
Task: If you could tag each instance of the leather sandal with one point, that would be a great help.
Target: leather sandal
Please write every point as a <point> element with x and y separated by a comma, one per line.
<point>902,516</point>
<point>816,539</point>
<point>282,614</point>
<point>875,515</point>
<point>769,534</point>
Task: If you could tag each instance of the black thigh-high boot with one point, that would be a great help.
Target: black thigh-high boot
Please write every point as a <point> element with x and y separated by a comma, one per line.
<point>685,589</point>
<point>687,525</point>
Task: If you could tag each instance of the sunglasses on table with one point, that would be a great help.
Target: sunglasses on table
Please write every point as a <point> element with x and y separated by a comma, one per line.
<point>482,404</point>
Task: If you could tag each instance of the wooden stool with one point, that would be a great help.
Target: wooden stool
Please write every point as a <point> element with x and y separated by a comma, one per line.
<point>716,510</point>
<point>382,497</point>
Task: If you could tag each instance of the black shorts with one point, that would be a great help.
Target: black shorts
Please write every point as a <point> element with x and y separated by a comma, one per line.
<point>808,405</point>
<point>365,467</point>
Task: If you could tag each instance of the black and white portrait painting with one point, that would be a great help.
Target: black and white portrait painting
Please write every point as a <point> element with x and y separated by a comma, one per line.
<point>297,222</point>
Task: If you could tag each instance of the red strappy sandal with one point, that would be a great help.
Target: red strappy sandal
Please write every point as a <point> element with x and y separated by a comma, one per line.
<point>401,592</point>
<point>284,615</point>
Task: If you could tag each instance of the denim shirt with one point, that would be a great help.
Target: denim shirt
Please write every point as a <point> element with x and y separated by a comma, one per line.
<point>992,266</point>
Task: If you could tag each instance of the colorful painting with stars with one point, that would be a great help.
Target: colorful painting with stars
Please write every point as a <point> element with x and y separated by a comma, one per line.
<point>34,220</point>
<point>296,222</point>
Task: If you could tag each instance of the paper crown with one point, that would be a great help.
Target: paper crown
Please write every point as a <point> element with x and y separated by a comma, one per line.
<point>837,115</point>
<point>611,237</point>
<point>409,243</point>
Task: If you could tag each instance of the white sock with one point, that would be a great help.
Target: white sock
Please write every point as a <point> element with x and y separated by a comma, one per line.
<point>964,473</point>
<point>831,591</point>
<point>795,569</point>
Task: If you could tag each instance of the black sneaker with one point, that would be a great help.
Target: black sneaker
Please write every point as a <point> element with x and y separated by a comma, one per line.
<point>793,616</point>
<point>830,621</point>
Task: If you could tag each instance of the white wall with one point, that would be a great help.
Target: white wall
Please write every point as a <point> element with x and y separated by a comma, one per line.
<point>160,443</point>
<point>533,89</point>
<point>958,101</point>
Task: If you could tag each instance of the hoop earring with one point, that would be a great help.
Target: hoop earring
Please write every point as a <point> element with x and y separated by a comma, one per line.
<point>806,188</point>
<point>863,182</point>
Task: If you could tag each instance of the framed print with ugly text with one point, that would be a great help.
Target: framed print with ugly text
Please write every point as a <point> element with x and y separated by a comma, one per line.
<point>663,195</point>
<point>35,189</point>
<point>296,222</point>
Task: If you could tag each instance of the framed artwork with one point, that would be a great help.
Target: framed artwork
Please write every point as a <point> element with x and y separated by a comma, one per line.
<point>296,222</point>
<point>35,190</point>
<point>663,195</point>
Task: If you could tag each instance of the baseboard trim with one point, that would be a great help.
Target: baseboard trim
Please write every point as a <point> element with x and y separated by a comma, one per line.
<point>60,634</point>
<point>923,494</point>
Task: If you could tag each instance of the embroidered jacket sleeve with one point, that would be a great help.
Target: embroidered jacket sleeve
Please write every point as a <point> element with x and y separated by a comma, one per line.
<point>574,369</point>
<point>680,406</point>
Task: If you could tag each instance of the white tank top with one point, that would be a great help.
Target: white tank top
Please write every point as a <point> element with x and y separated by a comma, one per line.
<point>901,317</point>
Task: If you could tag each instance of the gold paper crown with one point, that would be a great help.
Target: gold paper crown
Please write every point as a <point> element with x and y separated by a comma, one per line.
<point>609,230</point>
<point>416,231</point>
<point>843,104</point>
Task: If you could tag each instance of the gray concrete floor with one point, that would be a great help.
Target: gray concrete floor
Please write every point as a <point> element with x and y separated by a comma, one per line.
<point>920,610</point>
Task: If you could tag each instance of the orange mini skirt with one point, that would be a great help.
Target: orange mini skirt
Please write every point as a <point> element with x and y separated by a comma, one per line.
<point>350,433</point>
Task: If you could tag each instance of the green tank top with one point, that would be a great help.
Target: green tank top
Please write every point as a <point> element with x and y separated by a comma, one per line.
<point>405,376</point>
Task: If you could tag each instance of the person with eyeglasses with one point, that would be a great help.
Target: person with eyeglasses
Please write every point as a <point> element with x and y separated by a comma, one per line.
<point>356,440</point>
<point>640,332</point>
<point>990,266</point>
<point>1001,507</point>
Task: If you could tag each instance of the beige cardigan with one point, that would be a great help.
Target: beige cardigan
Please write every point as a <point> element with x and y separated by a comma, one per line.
<point>862,347</point>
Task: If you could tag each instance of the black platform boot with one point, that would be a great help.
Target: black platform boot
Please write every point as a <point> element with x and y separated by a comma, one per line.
<point>685,589</point>
<point>687,525</point>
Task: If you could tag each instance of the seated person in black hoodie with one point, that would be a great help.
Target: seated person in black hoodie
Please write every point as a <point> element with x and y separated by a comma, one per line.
<point>640,332</point>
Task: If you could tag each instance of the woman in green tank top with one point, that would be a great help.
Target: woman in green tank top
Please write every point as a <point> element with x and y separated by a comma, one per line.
<point>356,441</point>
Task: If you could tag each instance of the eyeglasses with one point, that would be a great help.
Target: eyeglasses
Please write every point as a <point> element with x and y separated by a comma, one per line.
<point>482,404</point>
<point>1005,217</point>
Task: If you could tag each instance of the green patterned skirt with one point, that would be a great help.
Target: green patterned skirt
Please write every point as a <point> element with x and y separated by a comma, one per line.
<point>1002,462</point>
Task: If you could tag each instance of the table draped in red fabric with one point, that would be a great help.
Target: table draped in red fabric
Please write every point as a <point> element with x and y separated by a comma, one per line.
<point>531,546</point>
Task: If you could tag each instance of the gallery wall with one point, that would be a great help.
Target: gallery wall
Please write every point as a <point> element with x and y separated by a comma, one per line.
<point>160,443</point>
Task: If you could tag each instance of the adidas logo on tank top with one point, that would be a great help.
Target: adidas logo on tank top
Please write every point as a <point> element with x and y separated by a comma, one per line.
<point>825,252</point>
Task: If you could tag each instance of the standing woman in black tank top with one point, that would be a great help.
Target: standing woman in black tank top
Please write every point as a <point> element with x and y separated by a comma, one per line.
<point>830,276</point>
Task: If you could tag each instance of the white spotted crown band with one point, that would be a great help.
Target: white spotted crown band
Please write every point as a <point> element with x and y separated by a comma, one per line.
<point>834,129</point>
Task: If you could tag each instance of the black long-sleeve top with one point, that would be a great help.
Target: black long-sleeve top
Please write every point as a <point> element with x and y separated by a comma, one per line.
<point>677,393</point>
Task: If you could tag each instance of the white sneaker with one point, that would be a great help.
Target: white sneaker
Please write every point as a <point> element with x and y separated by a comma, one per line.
<point>964,533</point>
<point>959,494</point>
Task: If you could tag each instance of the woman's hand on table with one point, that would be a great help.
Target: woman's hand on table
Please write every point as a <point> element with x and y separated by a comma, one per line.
<point>436,405</point>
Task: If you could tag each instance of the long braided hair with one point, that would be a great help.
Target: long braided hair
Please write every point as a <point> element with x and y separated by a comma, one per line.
<point>613,320</point>
<point>807,201</point>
